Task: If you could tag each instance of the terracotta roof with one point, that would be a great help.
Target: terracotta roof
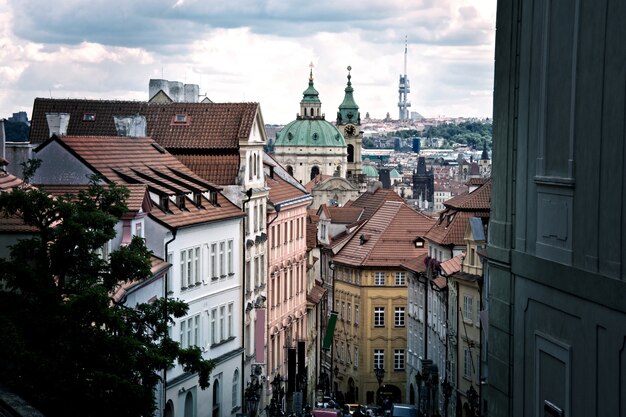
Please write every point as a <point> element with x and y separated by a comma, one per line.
<point>479,199</point>
<point>452,265</point>
<point>464,276</point>
<point>218,169</point>
<point>440,282</point>
<point>371,202</point>
<point>137,161</point>
<point>315,295</point>
<point>345,215</point>
<point>135,200</point>
<point>282,191</point>
<point>311,235</point>
<point>8,181</point>
<point>415,264</point>
<point>316,180</point>
<point>476,181</point>
<point>387,237</point>
<point>209,125</point>
<point>450,226</point>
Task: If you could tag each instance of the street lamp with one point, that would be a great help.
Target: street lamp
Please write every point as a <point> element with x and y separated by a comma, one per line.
<point>380,375</point>
<point>472,399</point>
<point>252,395</point>
<point>278,393</point>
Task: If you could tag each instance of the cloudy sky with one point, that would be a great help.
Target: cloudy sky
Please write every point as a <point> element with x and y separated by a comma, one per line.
<point>252,50</point>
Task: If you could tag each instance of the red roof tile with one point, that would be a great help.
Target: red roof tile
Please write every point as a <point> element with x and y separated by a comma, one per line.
<point>311,235</point>
<point>371,202</point>
<point>210,125</point>
<point>387,239</point>
<point>10,222</point>
<point>452,265</point>
<point>136,161</point>
<point>282,191</point>
<point>315,295</point>
<point>218,169</point>
<point>8,181</point>
<point>136,197</point>
<point>479,199</point>
<point>345,215</point>
<point>318,179</point>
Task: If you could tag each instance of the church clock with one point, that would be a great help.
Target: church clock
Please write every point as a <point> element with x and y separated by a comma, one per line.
<point>350,130</point>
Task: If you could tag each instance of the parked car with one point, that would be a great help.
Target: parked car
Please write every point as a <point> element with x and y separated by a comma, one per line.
<point>353,407</point>
<point>373,411</point>
<point>403,410</point>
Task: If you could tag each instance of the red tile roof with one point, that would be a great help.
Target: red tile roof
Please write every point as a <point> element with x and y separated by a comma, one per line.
<point>218,169</point>
<point>345,215</point>
<point>11,222</point>
<point>311,235</point>
<point>318,179</point>
<point>387,237</point>
<point>282,191</point>
<point>416,264</point>
<point>210,125</point>
<point>8,181</point>
<point>135,200</point>
<point>450,226</point>
<point>452,265</point>
<point>315,295</point>
<point>371,202</point>
<point>137,161</point>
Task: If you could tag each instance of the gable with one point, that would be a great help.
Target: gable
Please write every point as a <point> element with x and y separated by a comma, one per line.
<point>60,166</point>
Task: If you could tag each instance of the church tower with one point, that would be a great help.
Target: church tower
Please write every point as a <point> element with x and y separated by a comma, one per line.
<point>349,123</point>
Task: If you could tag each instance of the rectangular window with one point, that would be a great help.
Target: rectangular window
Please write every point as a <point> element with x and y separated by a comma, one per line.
<point>343,310</point>
<point>379,278</point>
<point>222,322</point>
<point>291,230</point>
<point>286,234</point>
<point>214,260</point>
<point>183,263</point>
<point>255,216</point>
<point>168,275</point>
<point>356,314</point>
<point>400,279</point>
<point>278,236</point>
<point>196,265</point>
<point>222,259</point>
<point>183,332</point>
<point>399,317</point>
<point>349,316</point>
<point>468,307</point>
<point>230,320</point>
<point>189,269</point>
<point>230,268</point>
<point>398,359</point>
<point>379,316</point>
<point>214,326</point>
<point>467,363</point>
<point>356,356</point>
<point>262,269</point>
<point>342,356</point>
<point>379,358</point>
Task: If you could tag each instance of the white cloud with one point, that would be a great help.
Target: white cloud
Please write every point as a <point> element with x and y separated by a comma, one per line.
<point>258,51</point>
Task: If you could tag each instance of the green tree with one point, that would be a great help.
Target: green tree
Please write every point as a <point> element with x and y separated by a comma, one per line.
<point>66,345</point>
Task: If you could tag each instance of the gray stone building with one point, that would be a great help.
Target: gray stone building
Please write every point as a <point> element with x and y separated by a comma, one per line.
<point>557,253</point>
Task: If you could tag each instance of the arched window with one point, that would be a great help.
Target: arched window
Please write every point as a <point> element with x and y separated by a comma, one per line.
<point>216,398</point>
<point>315,171</point>
<point>235,388</point>
<point>290,170</point>
<point>350,153</point>
<point>189,406</point>
<point>169,409</point>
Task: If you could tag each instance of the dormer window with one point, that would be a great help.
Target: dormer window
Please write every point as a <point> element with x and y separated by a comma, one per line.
<point>213,197</point>
<point>89,117</point>
<point>181,119</point>
<point>197,199</point>
<point>164,202</point>
<point>419,242</point>
<point>180,201</point>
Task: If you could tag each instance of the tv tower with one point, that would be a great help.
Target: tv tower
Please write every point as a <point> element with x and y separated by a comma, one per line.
<point>403,90</point>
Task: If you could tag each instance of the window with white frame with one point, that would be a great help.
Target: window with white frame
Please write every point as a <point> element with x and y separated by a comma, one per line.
<point>379,316</point>
<point>349,315</point>
<point>379,358</point>
<point>190,331</point>
<point>342,356</point>
<point>235,393</point>
<point>343,310</point>
<point>230,320</point>
<point>398,359</point>
<point>230,269</point>
<point>262,269</point>
<point>348,355</point>
<point>400,279</point>
<point>190,267</point>
<point>222,322</point>
<point>468,307</point>
<point>168,275</point>
<point>222,259</point>
<point>399,317</point>
<point>213,258</point>
<point>356,314</point>
<point>379,278</point>
<point>356,356</point>
<point>214,326</point>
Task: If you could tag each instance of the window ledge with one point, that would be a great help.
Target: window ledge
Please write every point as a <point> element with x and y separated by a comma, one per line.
<point>222,342</point>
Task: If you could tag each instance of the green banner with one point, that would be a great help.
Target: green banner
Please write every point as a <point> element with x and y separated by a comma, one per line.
<point>330,330</point>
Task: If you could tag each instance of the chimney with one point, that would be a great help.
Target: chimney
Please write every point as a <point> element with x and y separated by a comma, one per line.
<point>130,126</point>
<point>372,186</point>
<point>57,123</point>
<point>384,177</point>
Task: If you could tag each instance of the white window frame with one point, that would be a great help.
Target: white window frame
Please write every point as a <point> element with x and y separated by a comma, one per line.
<point>379,358</point>
<point>468,308</point>
<point>400,279</point>
<point>399,316</point>
<point>379,278</point>
<point>399,363</point>
<point>379,316</point>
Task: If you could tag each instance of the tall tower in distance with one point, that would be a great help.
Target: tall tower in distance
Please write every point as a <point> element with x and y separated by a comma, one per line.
<point>403,90</point>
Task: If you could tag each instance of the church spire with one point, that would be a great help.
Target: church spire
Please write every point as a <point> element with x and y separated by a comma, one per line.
<point>310,106</point>
<point>348,109</point>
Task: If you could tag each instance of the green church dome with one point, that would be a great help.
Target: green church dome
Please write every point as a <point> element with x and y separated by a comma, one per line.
<point>369,171</point>
<point>310,132</point>
<point>394,174</point>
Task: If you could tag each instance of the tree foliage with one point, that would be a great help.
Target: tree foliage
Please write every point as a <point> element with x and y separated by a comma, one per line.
<point>66,345</point>
<point>473,134</point>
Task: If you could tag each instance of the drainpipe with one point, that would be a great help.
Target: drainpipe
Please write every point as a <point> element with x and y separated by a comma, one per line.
<point>165,292</point>
<point>243,295</point>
